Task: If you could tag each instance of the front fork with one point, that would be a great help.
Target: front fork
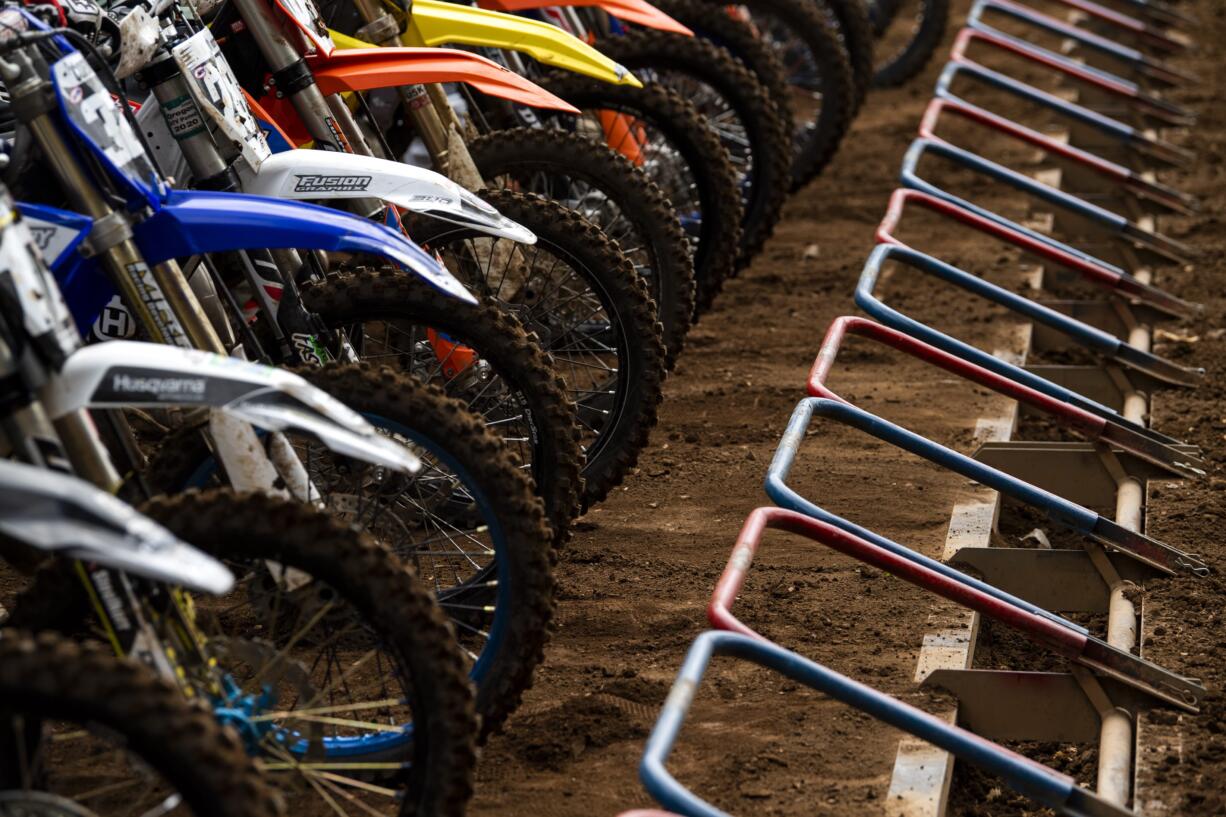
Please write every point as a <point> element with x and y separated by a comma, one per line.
<point>159,297</point>
<point>269,275</point>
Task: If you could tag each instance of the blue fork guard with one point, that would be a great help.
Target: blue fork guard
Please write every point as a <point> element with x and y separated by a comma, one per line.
<point>193,222</point>
<point>190,222</point>
<point>1042,784</point>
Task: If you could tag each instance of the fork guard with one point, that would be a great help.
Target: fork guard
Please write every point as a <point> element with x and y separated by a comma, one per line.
<point>118,374</point>
<point>435,23</point>
<point>639,12</point>
<point>367,68</point>
<point>196,222</point>
<point>1120,229</point>
<point>61,514</point>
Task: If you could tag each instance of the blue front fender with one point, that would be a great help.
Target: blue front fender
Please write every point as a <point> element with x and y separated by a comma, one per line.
<point>194,222</point>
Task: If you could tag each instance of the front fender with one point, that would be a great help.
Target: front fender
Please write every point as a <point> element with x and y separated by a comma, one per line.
<point>195,222</point>
<point>366,68</point>
<point>639,12</point>
<point>121,373</point>
<point>60,514</point>
<point>318,174</point>
<point>435,23</point>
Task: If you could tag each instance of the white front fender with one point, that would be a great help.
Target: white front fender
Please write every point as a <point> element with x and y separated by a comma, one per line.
<point>317,174</point>
<point>124,373</point>
<point>59,514</point>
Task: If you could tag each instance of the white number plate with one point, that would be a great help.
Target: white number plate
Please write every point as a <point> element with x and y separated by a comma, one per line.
<point>307,18</point>
<point>90,106</point>
<point>219,96</point>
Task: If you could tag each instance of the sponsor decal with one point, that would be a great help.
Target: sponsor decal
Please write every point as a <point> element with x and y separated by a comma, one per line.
<point>114,322</point>
<point>165,323</point>
<point>308,349</point>
<point>183,117</point>
<point>318,183</point>
<point>162,388</point>
<point>42,236</point>
<point>111,600</point>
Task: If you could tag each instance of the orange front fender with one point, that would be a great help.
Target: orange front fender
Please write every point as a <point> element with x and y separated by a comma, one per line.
<point>639,12</point>
<point>365,69</point>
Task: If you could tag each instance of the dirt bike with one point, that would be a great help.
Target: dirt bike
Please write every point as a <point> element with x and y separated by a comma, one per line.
<point>468,485</point>
<point>573,289</point>
<point>313,599</point>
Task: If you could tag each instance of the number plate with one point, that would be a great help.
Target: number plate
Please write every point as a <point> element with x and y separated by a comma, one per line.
<point>97,115</point>
<point>43,310</point>
<point>306,16</point>
<point>219,95</point>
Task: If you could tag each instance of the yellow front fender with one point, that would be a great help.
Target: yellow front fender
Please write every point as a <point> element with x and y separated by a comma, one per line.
<point>439,23</point>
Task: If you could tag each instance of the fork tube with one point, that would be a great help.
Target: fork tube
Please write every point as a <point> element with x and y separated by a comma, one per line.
<point>160,297</point>
<point>427,107</point>
<point>292,76</point>
<point>38,441</point>
<point>331,127</point>
<point>189,129</point>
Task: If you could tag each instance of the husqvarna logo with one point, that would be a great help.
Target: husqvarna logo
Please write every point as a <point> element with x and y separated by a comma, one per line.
<point>331,184</point>
<point>159,387</point>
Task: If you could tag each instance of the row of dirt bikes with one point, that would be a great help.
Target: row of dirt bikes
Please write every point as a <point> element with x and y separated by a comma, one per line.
<point>317,335</point>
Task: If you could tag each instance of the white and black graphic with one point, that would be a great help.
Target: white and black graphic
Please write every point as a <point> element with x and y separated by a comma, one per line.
<point>137,385</point>
<point>114,322</point>
<point>42,236</point>
<point>318,183</point>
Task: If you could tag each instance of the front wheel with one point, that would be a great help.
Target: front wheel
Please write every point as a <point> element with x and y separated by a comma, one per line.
<point>664,135</point>
<point>907,43</point>
<point>589,310</point>
<point>468,521</point>
<point>735,103</point>
<point>478,353</point>
<point>328,658</point>
<point>605,188</point>
<point>85,733</point>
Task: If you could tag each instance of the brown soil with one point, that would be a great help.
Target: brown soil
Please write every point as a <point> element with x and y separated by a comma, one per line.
<point>637,577</point>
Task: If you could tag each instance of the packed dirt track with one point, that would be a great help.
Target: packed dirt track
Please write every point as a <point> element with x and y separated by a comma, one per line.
<point>637,576</point>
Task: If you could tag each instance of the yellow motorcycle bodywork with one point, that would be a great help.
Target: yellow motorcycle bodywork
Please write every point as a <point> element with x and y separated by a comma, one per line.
<point>435,23</point>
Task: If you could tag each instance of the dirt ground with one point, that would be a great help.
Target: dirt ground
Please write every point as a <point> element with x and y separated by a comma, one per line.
<point>640,570</point>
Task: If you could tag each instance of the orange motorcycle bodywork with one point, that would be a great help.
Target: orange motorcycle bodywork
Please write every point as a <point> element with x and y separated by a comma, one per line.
<point>365,69</point>
<point>639,12</point>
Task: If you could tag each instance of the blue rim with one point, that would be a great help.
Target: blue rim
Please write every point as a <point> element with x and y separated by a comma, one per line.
<point>341,747</point>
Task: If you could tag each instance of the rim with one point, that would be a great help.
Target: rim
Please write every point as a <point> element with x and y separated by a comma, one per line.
<point>564,305</point>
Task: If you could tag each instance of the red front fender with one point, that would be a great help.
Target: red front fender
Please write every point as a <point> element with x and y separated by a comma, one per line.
<point>639,12</point>
<point>365,69</point>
